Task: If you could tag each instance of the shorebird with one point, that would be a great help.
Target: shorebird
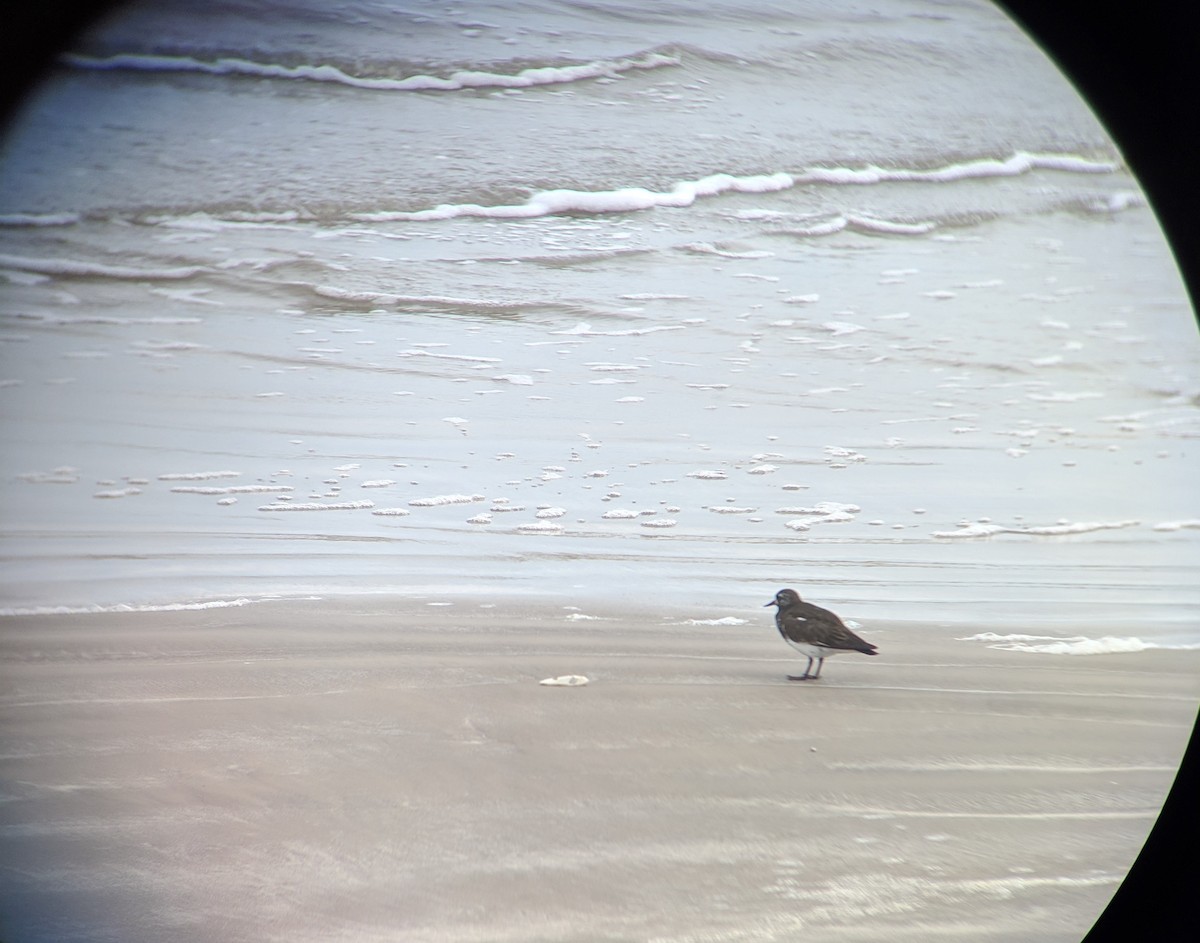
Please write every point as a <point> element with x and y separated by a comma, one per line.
<point>813,632</point>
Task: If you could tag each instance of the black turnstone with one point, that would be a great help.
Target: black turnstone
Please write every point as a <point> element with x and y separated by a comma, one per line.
<point>814,632</point>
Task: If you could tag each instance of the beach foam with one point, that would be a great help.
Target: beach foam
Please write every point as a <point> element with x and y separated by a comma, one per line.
<point>440,500</point>
<point>124,607</point>
<point>624,200</point>
<point>456,81</point>
<point>1019,163</point>
<point>197,476</point>
<point>1062,528</point>
<point>686,192</point>
<point>234,489</point>
<point>1072,645</point>
<point>319,506</point>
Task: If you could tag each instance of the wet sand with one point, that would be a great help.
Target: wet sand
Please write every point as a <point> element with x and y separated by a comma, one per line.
<point>381,769</point>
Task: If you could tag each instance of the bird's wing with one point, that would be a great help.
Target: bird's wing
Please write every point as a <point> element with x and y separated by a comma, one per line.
<point>827,629</point>
<point>795,627</point>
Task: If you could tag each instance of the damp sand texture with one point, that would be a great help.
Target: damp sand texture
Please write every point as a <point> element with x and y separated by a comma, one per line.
<point>340,771</point>
<point>352,300</point>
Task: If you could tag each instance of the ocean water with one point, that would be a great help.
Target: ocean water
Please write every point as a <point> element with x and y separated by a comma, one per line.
<point>586,301</point>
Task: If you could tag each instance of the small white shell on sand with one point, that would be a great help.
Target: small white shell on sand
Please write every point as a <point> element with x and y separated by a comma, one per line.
<point>565,681</point>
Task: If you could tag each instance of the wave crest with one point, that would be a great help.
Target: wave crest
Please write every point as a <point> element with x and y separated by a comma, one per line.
<point>456,81</point>
<point>686,192</point>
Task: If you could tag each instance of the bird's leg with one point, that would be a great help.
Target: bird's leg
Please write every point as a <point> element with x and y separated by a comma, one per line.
<point>820,665</point>
<point>806,676</point>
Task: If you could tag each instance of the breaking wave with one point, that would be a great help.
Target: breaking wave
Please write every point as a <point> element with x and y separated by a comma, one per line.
<point>686,192</point>
<point>456,81</point>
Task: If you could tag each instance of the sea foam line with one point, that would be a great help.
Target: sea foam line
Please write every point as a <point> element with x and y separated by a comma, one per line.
<point>125,607</point>
<point>1071,645</point>
<point>866,224</point>
<point>686,192</point>
<point>624,200</point>
<point>318,506</point>
<point>1063,528</point>
<point>198,476</point>
<point>1020,162</point>
<point>526,78</point>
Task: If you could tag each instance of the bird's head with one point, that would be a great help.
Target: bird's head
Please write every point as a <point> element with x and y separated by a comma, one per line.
<point>784,599</point>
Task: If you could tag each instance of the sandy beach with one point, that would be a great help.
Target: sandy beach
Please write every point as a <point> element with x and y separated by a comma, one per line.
<point>363,365</point>
<point>387,769</point>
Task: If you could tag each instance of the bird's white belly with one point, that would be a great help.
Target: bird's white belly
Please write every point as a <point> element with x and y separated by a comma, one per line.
<point>814,651</point>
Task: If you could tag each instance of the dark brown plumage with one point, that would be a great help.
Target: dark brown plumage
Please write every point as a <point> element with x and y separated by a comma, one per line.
<point>814,632</point>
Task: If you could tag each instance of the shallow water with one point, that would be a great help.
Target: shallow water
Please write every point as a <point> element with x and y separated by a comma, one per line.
<point>862,303</point>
